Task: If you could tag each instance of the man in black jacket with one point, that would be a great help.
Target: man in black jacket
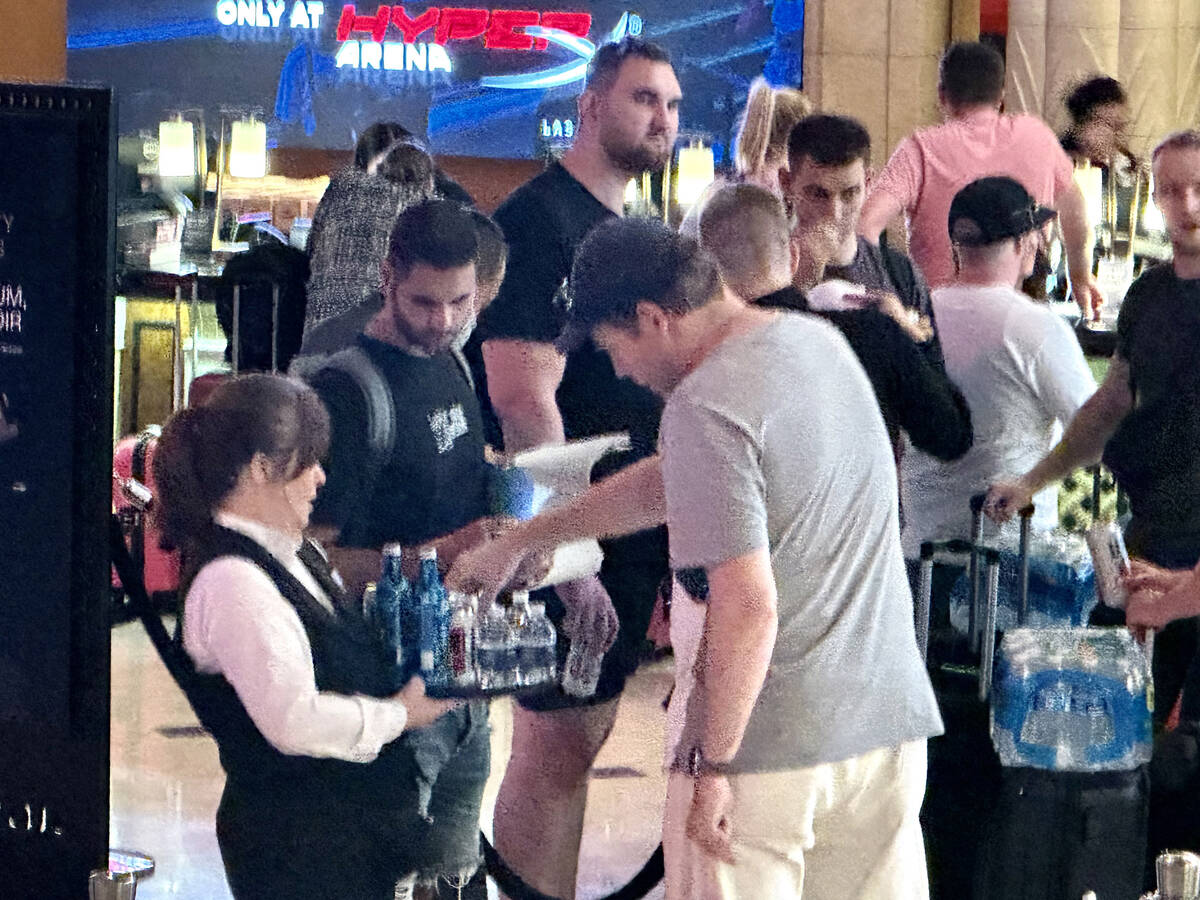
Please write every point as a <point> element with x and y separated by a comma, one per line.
<point>746,229</point>
<point>825,186</point>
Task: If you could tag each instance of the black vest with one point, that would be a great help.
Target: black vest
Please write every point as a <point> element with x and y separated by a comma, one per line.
<point>347,659</point>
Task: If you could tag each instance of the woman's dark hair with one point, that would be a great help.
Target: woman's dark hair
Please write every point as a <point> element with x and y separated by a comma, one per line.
<point>1095,92</point>
<point>408,165</point>
<point>203,449</point>
<point>377,138</point>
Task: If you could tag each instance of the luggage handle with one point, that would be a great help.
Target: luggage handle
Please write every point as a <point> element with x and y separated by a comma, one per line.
<point>982,618</point>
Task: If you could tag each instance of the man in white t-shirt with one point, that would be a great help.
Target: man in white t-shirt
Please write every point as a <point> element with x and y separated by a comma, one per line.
<point>1016,362</point>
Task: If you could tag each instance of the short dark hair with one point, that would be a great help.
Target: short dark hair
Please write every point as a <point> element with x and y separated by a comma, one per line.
<point>971,74</point>
<point>606,62</point>
<point>829,140</point>
<point>493,250</point>
<point>630,260</point>
<point>376,138</point>
<point>1086,96</point>
<point>439,233</point>
<point>1179,140</point>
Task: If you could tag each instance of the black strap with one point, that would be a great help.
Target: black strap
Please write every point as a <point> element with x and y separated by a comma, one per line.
<point>135,590</point>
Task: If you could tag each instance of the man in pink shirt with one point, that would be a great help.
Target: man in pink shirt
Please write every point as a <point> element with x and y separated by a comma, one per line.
<point>931,165</point>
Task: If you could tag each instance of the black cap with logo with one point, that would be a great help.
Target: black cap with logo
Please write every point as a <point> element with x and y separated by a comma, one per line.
<point>994,209</point>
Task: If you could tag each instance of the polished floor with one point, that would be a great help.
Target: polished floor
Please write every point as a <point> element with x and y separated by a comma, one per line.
<point>166,780</point>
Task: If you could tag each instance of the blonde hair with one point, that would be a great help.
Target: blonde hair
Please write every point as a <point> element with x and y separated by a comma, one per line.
<point>768,119</point>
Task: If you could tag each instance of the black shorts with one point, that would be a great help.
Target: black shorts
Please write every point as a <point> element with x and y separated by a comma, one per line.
<point>633,572</point>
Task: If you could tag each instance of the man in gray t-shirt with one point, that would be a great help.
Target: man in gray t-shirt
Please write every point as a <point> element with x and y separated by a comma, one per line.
<point>801,766</point>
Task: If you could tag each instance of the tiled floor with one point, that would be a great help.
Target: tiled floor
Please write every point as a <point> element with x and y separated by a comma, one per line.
<point>166,780</point>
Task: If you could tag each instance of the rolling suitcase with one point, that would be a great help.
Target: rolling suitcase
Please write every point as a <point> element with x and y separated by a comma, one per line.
<point>1017,833</point>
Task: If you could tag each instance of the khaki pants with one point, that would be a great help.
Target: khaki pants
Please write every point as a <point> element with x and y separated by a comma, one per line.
<point>841,831</point>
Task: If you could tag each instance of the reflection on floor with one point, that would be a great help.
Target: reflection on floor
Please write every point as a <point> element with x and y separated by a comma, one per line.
<point>166,780</point>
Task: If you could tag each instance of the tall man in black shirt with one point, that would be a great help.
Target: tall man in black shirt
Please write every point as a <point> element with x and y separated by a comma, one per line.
<point>628,121</point>
<point>1145,420</point>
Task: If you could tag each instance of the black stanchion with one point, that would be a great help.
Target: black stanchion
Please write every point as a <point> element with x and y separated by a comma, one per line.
<point>516,889</point>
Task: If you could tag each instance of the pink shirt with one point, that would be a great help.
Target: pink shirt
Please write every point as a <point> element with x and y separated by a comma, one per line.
<point>931,165</point>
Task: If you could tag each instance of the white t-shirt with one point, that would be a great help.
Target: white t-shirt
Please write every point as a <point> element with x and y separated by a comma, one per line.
<point>1024,377</point>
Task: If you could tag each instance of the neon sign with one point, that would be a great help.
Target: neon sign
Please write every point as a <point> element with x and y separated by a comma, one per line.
<point>305,14</point>
<point>497,27</point>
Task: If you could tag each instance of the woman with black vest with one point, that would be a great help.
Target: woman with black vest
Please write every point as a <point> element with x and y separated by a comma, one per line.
<point>324,794</point>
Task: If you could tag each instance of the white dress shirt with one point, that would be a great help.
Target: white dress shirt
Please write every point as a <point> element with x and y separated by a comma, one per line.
<point>237,624</point>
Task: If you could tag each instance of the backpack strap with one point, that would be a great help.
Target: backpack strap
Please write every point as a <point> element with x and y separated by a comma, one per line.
<point>377,396</point>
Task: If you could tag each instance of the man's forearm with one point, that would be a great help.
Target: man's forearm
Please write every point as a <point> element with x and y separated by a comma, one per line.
<point>739,638</point>
<point>629,501</point>
<point>1076,233</point>
<point>1082,445</point>
<point>531,424</point>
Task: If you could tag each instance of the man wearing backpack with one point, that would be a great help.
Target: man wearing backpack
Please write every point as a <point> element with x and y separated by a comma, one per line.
<point>406,464</point>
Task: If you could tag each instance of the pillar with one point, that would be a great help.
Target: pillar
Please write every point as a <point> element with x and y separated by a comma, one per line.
<point>964,20</point>
<point>1149,68</point>
<point>35,41</point>
<point>877,60</point>
<point>845,62</point>
<point>1083,39</point>
<point>1187,91</point>
<point>1026,64</point>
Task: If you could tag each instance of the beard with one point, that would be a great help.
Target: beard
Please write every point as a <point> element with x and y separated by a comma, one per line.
<point>634,159</point>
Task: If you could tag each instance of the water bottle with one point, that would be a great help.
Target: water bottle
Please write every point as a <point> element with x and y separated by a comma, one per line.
<point>461,648</point>
<point>434,620</point>
<point>539,650</point>
<point>581,672</point>
<point>495,651</point>
<point>518,627</point>
<point>392,595</point>
<point>1071,700</point>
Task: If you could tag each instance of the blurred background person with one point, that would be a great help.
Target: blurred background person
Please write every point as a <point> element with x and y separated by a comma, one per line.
<point>761,143</point>
<point>350,227</point>
<point>976,140</point>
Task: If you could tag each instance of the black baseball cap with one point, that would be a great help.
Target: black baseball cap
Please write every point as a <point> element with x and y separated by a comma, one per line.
<point>994,209</point>
<point>621,263</point>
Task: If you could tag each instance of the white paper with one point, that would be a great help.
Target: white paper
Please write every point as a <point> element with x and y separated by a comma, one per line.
<point>561,472</point>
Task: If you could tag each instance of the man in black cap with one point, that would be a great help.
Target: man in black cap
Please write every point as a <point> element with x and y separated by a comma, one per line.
<point>776,479</point>
<point>1016,362</point>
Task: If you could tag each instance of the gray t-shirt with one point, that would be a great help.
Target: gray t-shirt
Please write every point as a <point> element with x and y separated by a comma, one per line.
<point>775,441</point>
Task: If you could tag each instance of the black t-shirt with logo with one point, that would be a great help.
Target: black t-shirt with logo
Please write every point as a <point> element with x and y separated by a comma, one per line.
<point>544,222</point>
<point>436,479</point>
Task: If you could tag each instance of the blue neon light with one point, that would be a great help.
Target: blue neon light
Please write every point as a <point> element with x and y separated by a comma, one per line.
<point>568,73</point>
<point>151,34</point>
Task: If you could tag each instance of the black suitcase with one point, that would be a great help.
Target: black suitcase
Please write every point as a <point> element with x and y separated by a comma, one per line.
<point>998,833</point>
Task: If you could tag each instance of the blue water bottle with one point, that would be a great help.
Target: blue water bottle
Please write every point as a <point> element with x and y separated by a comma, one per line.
<point>393,595</point>
<point>434,620</point>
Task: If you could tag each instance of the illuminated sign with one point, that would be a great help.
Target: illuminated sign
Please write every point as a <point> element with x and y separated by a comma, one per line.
<point>364,45</point>
<point>556,129</point>
<point>305,14</point>
<point>497,27</point>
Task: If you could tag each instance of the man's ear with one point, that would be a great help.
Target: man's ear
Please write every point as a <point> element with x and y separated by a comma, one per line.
<point>588,105</point>
<point>260,469</point>
<point>652,317</point>
<point>785,180</point>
